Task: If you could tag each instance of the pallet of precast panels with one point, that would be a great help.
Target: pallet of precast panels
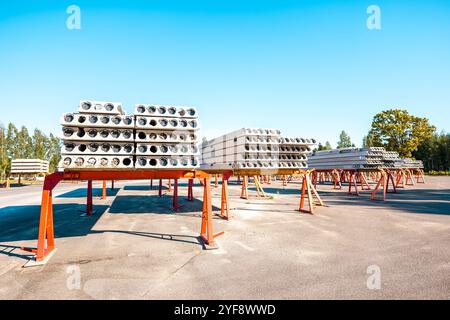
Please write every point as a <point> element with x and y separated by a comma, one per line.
<point>308,190</point>
<point>46,241</point>
<point>384,178</point>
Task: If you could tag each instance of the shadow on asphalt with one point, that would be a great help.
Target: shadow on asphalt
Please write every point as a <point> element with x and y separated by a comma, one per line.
<point>96,192</point>
<point>160,236</point>
<point>154,204</point>
<point>420,201</point>
<point>22,222</point>
<point>143,188</point>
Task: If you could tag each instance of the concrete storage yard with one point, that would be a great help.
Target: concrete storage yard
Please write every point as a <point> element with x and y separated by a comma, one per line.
<point>133,248</point>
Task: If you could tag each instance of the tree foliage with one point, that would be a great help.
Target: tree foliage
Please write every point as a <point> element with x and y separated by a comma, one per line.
<point>344,141</point>
<point>435,152</point>
<point>397,130</point>
<point>321,147</point>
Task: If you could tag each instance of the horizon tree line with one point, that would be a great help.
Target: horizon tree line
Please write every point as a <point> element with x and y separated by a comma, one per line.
<point>394,129</point>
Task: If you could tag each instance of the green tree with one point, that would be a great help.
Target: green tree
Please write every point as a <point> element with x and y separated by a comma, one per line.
<point>41,145</point>
<point>435,152</point>
<point>397,130</point>
<point>3,155</point>
<point>371,141</point>
<point>344,141</point>
<point>321,147</point>
<point>54,152</point>
<point>11,143</point>
<point>24,147</point>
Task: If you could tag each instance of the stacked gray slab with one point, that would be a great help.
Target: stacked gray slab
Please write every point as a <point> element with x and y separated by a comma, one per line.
<point>293,152</point>
<point>29,166</point>
<point>348,158</point>
<point>412,164</point>
<point>250,148</point>
<point>98,136</point>
<point>166,137</point>
<point>392,160</point>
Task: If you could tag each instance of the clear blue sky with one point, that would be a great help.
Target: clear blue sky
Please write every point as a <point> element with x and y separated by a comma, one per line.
<point>309,68</point>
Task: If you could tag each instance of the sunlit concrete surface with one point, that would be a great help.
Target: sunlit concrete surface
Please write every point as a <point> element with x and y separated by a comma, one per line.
<point>136,247</point>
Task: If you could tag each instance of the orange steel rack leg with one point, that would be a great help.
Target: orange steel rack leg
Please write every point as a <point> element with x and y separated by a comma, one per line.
<point>259,188</point>
<point>400,179</point>
<point>390,179</point>
<point>409,178</point>
<point>352,183</point>
<point>175,195</point>
<point>190,190</point>
<point>309,190</point>
<point>284,180</point>
<point>382,182</point>
<point>160,188</point>
<point>46,237</point>
<point>363,181</point>
<point>89,206</point>
<point>112,184</point>
<point>336,180</point>
<point>151,184</point>
<point>420,175</point>
<point>225,204</point>
<point>170,185</point>
<point>244,191</point>
<point>104,190</point>
<point>206,232</point>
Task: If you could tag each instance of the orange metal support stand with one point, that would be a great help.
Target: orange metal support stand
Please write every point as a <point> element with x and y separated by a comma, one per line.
<point>356,176</point>
<point>352,183</point>
<point>385,178</point>
<point>420,175</point>
<point>409,179</point>
<point>46,238</point>
<point>259,188</point>
<point>309,191</point>
<point>46,242</point>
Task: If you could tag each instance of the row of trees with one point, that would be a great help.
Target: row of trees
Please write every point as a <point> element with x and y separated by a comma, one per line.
<point>344,142</point>
<point>19,144</point>
<point>410,136</point>
<point>394,129</point>
<point>435,152</point>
